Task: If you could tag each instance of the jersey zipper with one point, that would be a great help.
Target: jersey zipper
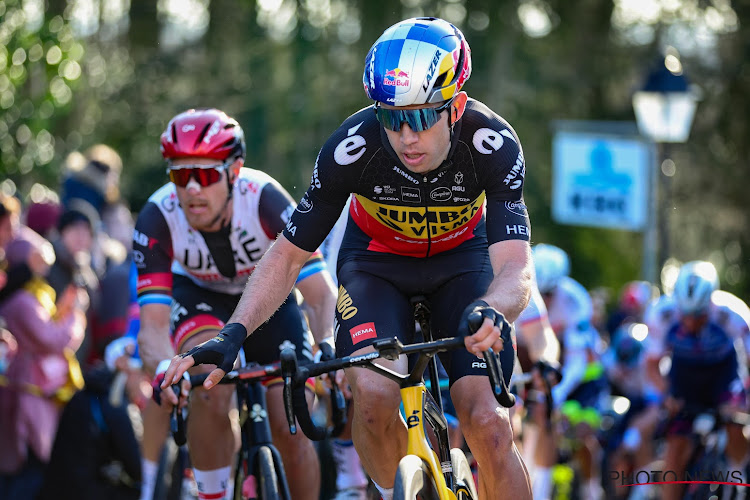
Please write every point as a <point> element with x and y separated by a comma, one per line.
<point>426,214</point>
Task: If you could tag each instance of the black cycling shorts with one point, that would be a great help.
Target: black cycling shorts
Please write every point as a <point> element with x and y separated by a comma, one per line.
<point>195,309</point>
<point>374,302</point>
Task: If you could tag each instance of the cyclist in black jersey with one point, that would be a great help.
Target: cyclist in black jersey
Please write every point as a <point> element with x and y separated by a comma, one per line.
<point>436,183</point>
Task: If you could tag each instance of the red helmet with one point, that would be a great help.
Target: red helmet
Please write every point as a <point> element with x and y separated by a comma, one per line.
<point>203,133</point>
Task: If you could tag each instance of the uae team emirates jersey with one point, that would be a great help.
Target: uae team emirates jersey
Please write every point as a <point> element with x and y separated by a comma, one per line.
<point>474,198</point>
<point>165,244</point>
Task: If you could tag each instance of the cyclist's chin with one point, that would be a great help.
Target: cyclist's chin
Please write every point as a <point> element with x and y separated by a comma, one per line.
<point>201,221</point>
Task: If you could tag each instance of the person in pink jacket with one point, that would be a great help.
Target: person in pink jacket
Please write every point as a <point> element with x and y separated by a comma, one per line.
<point>40,377</point>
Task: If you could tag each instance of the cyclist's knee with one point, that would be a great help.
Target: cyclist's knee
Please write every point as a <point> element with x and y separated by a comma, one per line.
<point>375,401</point>
<point>488,424</point>
<point>214,403</point>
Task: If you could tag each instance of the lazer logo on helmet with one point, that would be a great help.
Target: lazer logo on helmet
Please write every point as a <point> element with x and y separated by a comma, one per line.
<point>396,78</point>
<point>432,69</point>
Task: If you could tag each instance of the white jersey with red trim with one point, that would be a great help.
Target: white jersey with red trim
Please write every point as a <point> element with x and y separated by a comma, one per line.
<point>170,241</point>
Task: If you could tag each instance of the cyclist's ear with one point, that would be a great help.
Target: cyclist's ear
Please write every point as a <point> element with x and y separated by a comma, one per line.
<point>458,106</point>
<point>234,169</point>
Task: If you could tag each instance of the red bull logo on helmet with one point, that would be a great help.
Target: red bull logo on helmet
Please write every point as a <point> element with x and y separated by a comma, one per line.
<point>396,78</point>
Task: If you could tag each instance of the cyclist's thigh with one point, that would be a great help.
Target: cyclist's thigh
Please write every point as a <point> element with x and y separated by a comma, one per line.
<point>448,304</point>
<point>369,308</point>
<point>286,328</point>
<point>197,314</point>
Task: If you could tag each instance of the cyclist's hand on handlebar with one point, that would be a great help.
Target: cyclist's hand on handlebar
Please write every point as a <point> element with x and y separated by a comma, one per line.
<point>167,397</point>
<point>221,351</point>
<point>491,333</point>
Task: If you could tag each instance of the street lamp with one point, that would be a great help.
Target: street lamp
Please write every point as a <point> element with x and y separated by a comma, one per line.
<point>664,110</point>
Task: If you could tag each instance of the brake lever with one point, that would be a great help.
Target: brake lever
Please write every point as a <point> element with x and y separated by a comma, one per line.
<point>177,420</point>
<point>494,369</point>
<point>288,370</point>
<point>338,407</point>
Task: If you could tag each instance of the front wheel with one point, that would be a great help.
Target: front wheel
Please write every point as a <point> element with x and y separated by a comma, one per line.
<point>465,487</point>
<point>268,481</point>
<point>414,481</point>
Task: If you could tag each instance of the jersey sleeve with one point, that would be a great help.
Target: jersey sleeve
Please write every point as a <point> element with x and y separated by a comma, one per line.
<point>337,169</point>
<point>274,209</point>
<point>152,253</point>
<point>501,168</point>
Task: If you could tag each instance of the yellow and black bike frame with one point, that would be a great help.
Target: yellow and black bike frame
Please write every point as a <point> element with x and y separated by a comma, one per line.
<point>419,405</point>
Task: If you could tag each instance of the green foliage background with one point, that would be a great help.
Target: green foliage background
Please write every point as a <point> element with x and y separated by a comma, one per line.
<point>291,74</point>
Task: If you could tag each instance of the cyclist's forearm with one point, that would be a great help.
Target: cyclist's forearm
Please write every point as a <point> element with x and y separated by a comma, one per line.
<point>510,288</point>
<point>320,297</point>
<point>269,284</point>
<point>154,344</point>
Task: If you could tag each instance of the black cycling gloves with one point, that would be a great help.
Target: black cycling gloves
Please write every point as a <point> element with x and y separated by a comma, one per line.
<point>221,350</point>
<point>473,317</point>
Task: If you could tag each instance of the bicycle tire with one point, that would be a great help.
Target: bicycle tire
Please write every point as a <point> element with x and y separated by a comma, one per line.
<point>465,487</point>
<point>268,480</point>
<point>414,481</point>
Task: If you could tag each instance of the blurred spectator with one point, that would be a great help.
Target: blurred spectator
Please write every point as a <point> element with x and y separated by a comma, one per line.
<point>96,454</point>
<point>73,250</point>
<point>93,176</point>
<point>38,259</point>
<point>43,216</point>
<point>8,349</point>
<point>42,375</point>
<point>73,265</point>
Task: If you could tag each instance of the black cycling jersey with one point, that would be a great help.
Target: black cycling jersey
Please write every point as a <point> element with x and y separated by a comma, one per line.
<point>399,212</point>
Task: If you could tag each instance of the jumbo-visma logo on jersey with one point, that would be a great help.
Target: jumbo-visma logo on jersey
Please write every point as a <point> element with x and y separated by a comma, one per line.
<point>414,231</point>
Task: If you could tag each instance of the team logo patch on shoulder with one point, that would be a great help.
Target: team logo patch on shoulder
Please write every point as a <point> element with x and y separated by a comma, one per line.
<point>516,207</point>
<point>305,205</point>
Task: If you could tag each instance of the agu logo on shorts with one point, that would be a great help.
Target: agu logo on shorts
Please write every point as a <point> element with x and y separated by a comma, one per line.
<point>363,332</point>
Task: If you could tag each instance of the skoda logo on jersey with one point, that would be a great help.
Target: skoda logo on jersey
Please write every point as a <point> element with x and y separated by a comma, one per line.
<point>516,207</point>
<point>441,194</point>
<point>305,205</point>
<point>351,148</point>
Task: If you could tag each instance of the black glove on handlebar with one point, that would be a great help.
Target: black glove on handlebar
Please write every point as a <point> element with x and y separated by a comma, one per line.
<point>221,350</point>
<point>327,351</point>
<point>470,322</point>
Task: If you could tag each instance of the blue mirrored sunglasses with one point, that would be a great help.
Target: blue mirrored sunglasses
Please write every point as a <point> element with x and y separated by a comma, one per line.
<point>419,119</point>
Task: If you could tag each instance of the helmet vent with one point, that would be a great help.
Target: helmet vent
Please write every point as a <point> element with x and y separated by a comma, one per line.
<point>439,81</point>
<point>202,134</point>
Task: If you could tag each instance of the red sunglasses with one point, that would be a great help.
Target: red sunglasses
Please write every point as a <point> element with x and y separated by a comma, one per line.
<point>205,175</point>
